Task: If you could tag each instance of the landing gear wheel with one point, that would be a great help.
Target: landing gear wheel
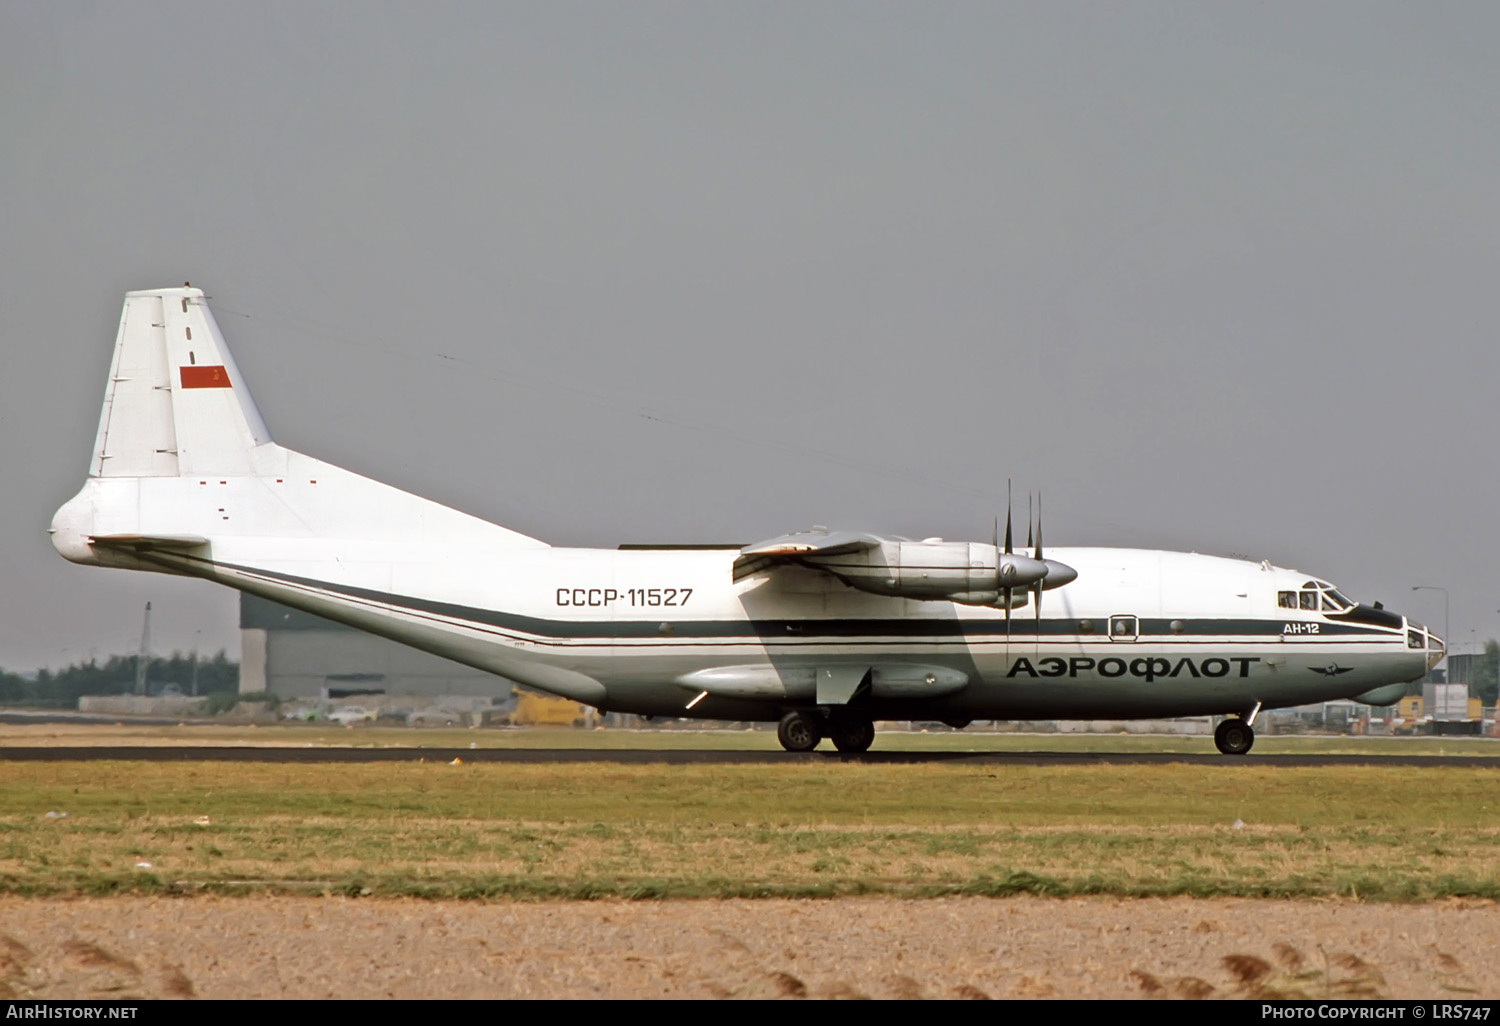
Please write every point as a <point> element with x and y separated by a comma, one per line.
<point>1234,737</point>
<point>799,731</point>
<point>852,735</point>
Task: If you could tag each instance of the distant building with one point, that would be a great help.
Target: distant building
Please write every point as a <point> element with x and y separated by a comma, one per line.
<point>1458,668</point>
<point>1463,667</point>
<point>297,655</point>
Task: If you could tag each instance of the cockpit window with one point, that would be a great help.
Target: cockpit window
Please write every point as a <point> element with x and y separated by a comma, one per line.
<point>1333,602</point>
<point>1315,596</point>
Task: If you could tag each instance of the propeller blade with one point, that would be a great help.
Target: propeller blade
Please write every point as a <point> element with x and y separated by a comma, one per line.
<point>1028,520</point>
<point>1007,518</point>
<point>1038,555</point>
<point>1008,592</point>
<point>1038,558</point>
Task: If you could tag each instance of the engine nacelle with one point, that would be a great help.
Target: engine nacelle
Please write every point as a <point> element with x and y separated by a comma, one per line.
<point>969,572</point>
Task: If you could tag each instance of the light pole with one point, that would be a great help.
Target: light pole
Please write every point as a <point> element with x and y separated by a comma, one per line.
<point>1446,641</point>
<point>196,636</point>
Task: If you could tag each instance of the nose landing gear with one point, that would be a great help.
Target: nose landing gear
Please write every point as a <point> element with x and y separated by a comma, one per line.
<point>1234,736</point>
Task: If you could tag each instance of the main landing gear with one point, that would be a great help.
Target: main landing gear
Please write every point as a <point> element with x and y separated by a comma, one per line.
<point>852,735</point>
<point>1234,736</point>
<point>801,729</point>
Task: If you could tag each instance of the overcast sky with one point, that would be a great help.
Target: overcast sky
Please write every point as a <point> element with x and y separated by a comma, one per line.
<point>1216,277</point>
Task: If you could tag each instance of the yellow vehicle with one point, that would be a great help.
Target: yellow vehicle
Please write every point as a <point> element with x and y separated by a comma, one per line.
<point>1413,717</point>
<point>534,710</point>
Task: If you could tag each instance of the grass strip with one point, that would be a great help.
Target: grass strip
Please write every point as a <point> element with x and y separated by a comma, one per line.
<point>654,831</point>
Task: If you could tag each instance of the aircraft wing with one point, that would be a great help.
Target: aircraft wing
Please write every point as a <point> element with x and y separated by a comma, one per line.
<point>792,548</point>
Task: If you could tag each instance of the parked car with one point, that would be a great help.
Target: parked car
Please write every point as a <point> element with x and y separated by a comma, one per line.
<point>349,715</point>
<point>434,718</point>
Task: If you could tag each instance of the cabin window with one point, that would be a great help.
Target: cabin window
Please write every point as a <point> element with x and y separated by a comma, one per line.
<point>1308,599</point>
<point>1286,599</point>
<point>1122,628</point>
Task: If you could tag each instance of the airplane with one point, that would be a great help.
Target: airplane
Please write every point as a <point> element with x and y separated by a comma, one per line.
<point>823,632</point>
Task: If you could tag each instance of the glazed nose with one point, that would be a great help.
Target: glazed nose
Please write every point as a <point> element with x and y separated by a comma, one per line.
<point>1419,637</point>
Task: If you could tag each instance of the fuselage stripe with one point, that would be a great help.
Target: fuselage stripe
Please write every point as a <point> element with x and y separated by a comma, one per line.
<point>823,632</point>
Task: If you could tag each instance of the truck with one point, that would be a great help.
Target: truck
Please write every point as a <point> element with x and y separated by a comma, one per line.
<point>534,710</point>
<point>1447,708</point>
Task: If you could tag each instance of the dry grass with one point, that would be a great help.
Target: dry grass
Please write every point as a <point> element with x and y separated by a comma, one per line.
<point>653,831</point>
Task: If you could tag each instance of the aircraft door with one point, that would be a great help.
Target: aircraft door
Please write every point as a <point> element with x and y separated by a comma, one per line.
<point>1123,628</point>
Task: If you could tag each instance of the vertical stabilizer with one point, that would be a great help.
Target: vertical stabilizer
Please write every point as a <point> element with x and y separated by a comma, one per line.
<point>183,461</point>
<point>175,404</point>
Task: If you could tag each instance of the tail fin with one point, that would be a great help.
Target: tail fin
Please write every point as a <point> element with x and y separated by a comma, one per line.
<point>175,404</point>
<point>183,460</point>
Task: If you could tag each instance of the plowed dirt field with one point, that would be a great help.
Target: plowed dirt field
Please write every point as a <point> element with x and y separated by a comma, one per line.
<point>287,947</point>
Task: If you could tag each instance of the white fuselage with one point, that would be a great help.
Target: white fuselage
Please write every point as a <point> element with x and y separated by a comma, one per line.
<point>1140,633</point>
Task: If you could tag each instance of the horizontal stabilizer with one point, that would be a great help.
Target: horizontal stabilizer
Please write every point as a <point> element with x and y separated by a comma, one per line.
<point>148,541</point>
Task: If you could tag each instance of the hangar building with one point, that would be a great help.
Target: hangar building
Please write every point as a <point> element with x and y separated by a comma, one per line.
<point>297,655</point>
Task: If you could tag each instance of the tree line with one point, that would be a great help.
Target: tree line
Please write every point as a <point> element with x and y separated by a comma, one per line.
<point>116,676</point>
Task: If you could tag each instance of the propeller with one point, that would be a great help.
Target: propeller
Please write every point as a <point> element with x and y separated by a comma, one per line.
<point>1021,572</point>
<point>1015,571</point>
<point>1001,561</point>
<point>1038,557</point>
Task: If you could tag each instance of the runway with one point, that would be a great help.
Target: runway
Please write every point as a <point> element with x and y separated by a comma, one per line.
<point>246,753</point>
